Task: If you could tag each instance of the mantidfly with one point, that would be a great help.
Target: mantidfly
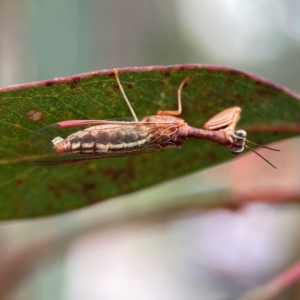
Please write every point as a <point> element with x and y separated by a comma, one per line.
<point>104,139</point>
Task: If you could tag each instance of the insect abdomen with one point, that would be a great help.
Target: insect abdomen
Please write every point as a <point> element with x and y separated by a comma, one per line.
<point>106,138</point>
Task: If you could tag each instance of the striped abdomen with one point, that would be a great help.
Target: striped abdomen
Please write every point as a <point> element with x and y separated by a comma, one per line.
<point>114,137</point>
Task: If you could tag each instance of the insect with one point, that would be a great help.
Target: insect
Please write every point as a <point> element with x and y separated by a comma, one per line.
<point>80,140</point>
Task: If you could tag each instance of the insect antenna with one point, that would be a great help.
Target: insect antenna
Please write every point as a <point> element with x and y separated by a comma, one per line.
<point>240,143</point>
<point>262,146</point>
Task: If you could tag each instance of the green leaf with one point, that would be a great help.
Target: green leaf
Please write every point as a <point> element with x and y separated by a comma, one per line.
<point>269,113</point>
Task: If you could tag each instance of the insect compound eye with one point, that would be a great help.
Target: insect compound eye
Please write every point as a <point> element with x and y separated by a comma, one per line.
<point>237,147</point>
<point>239,141</point>
<point>242,134</point>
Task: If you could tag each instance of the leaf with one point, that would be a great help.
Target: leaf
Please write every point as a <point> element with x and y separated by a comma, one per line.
<point>269,113</point>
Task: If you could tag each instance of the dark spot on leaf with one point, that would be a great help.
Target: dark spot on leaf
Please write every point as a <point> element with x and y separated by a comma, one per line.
<point>123,176</point>
<point>90,172</point>
<point>130,169</point>
<point>232,102</point>
<point>50,83</point>
<point>177,165</point>
<point>50,206</point>
<point>108,93</point>
<point>267,93</point>
<point>129,86</point>
<point>207,111</point>
<point>145,159</point>
<point>74,82</point>
<point>162,84</point>
<point>19,182</point>
<point>167,74</point>
<point>116,88</point>
<point>54,190</point>
<point>113,174</point>
<point>18,128</point>
<point>259,141</point>
<point>87,187</point>
<point>230,81</point>
<point>111,74</point>
<point>34,115</point>
<point>234,72</point>
<point>212,157</point>
<point>258,82</point>
<point>275,132</point>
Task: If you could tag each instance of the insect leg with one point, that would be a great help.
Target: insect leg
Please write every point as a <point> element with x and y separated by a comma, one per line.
<point>179,110</point>
<point>116,72</point>
<point>227,118</point>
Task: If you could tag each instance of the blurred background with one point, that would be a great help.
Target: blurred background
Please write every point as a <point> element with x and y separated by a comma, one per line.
<point>213,254</point>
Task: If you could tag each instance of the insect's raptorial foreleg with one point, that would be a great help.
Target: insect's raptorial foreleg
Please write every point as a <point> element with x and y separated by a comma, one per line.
<point>179,110</point>
<point>116,72</point>
<point>222,136</point>
<point>227,118</point>
<point>235,116</point>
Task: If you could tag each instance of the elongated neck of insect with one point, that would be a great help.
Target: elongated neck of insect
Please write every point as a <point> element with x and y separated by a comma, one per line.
<point>221,136</point>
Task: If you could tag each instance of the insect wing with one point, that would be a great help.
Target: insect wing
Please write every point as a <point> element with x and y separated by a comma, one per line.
<point>76,123</point>
<point>75,157</point>
<point>42,141</point>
